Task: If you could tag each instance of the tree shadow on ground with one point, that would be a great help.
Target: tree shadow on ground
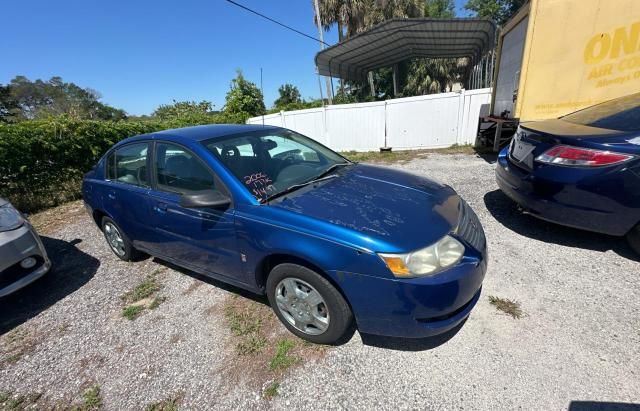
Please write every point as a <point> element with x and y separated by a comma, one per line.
<point>71,269</point>
<point>506,211</point>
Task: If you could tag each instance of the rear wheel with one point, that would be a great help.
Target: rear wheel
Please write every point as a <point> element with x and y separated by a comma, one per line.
<point>118,242</point>
<point>633,238</point>
<point>308,305</point>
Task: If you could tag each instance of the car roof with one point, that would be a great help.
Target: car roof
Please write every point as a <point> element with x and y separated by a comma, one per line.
<point>205,132</point>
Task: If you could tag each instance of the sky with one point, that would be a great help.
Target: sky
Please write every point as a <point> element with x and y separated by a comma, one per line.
<point>139,54</point>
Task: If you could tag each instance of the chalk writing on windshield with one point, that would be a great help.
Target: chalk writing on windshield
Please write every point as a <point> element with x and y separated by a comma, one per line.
<point>260,184</point>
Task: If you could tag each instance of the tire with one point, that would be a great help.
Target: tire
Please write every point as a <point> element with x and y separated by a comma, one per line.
<point>322,318</point>
<point>118,241</point>
<point>633,238</point>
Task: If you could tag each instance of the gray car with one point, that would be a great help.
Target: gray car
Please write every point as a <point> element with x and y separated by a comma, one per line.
<point>23,258</point>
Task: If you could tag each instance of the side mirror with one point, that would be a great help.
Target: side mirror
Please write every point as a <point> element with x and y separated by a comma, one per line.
<point>204,199</point>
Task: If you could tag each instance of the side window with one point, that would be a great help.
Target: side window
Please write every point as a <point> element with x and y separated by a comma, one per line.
<point>179,171</point>
<point>128,165</point>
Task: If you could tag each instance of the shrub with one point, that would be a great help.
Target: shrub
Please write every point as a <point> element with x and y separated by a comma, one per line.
<point>42,161</point>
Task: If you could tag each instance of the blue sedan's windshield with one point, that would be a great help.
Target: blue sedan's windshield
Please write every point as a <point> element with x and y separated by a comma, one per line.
<point>272,161</point>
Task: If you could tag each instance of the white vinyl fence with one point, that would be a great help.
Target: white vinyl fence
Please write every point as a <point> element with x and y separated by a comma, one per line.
<point>432,121</point>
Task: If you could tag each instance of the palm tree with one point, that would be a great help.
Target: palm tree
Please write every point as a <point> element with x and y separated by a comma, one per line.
<point>428,76</point>
<point>347,14</point>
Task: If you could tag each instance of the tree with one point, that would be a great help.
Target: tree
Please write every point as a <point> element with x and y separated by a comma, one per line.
<point>9,107</point>
<point>289,95</point>
<point>439,9</point>
<point>244,99</point>
<point>184,110</point>
<point>429,76</point>
<point>497,10</point>
<point>38,99</point>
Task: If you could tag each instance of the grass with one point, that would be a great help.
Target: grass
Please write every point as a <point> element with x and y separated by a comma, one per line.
<point>265,350</point>
<point>131,312</point>
<point>170,404</point>
<point>91,399</point>
<point>17,343</point>
<point>271,390</point>
<point>145,289</point>
<point>20,402</point>
<point>242,321</point>
<point>156,302</point>
<point>281,359</point>
<point>253,344</point>
<point>507,306</point>
<point>405,155</point>
<point>140,298</point>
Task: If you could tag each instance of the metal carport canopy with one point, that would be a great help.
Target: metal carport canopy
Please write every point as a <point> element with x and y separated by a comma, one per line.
<point>400,39</point>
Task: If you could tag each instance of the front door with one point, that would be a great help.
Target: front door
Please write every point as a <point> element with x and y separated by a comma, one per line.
<point>203,239</point>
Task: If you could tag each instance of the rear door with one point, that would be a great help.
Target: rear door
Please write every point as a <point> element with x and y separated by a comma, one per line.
<point>124,194</point>
<point>202,239</point>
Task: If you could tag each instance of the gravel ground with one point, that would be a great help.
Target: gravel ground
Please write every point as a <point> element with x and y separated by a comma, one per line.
<point>577,346</point>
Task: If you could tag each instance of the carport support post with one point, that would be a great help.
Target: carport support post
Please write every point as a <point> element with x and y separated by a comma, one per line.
<point>371,85</point>
<point>395,80</point>
<point>328,81</point>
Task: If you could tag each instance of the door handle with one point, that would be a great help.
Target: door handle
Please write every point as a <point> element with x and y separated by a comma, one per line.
<point>161,207</point>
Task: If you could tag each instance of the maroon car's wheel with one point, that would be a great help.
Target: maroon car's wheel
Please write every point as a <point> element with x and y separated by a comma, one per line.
<point>633,238</point>
<point>308,305</point>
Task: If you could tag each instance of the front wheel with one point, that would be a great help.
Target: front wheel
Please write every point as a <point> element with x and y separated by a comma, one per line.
<point>308,305</point>
<point>633,238</point>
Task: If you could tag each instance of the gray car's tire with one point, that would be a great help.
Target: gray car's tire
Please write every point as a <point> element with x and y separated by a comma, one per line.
<point>117,240</point>
<point>323,318</point>
<point>633,238</point>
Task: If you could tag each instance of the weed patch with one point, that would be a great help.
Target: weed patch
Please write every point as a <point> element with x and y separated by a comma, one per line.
<point>282,359</point>
<point>131,312</point>
<point>507,306</point>
<point>405,155</point>
<point>145,289</point>
<point>271,390</point>
<point>170,404</point>
<point>142,297</point>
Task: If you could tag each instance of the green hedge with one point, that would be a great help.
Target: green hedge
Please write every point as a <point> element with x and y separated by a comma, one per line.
<point>42,162</point>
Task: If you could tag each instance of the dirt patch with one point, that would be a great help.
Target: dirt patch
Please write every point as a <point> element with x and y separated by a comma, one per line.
<point>403,156</point>
<point>48,221</point>
<point>16,344</point>
<point>265,351</point>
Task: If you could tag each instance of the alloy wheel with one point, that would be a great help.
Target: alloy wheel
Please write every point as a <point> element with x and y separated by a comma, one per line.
<point>114,238</point>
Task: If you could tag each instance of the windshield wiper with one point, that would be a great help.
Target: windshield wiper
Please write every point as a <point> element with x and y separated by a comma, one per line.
<point>320,177</point>
<point>297,186</point>
<point>330,169</point>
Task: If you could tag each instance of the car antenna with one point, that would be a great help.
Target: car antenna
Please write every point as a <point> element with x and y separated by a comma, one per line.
<point>262,91</point>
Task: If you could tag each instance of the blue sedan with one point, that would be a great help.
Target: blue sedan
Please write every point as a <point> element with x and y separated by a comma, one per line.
<point>581,170</point>
<point>266,209</point>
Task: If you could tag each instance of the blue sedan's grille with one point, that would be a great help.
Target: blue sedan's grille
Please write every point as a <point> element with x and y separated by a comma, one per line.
<point>469,227</point>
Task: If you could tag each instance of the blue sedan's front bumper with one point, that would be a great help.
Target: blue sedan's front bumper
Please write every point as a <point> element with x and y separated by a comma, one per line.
<point>417,307</point>
<point>590,199</point>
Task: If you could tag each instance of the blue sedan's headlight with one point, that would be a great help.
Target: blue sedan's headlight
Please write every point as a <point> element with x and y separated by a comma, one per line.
<point>426,261</point>
<point>10,218</point>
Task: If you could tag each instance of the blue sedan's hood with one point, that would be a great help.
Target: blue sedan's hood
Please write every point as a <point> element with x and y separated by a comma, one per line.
<point>391,209</point>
